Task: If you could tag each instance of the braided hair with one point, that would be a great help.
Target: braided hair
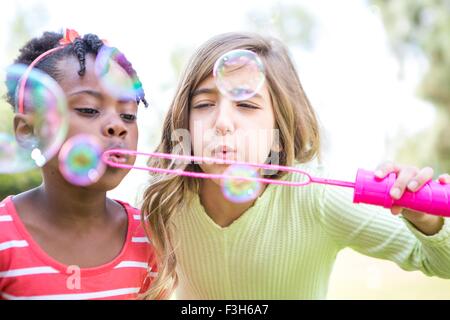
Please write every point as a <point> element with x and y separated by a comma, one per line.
<point>88,44</point>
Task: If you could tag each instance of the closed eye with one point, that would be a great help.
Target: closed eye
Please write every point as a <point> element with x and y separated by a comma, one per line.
<point>203,105</point>
<point>87,111</point>
<point>129,117</point>
<point>248,106</point>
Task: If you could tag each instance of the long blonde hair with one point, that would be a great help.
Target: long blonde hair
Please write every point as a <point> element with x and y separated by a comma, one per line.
<point>294,118</point>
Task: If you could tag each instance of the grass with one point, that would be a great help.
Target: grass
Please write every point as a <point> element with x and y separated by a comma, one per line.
<point>356,276</point>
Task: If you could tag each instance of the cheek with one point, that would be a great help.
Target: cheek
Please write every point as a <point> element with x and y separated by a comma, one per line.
<point>134,137</point>
<point>197,141</point>
<point>255,145</point>
<point>198,135</point>
<point>78,125</point>
<point>257,138</point>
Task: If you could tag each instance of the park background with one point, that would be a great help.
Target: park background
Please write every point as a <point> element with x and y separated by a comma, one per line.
<point>377,72</point>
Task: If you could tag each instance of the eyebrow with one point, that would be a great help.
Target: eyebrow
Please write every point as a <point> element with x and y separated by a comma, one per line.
<point>204,91</point>
<point>214,91</point>
<point>93,93</point>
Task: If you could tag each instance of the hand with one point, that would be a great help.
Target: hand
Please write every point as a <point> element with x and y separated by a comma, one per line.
<point>444,178</point>
<point>413,179</point>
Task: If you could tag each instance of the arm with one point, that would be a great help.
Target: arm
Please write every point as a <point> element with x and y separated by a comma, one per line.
<point>413,179</point>
<point>375,232</point>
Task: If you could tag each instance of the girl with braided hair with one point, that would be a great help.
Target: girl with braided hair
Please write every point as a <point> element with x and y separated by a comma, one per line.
<point>59,240</point>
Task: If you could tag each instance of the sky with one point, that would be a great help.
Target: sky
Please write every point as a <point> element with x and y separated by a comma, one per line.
<point>350,75</point>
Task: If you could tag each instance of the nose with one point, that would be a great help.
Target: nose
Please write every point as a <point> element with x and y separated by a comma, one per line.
<point>224,122</point>
<point>115,128</point>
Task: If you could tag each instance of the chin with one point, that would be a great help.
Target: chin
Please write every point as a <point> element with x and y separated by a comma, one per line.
<point>103,186</point>
<point>214,168</point>
<point>109,180</point>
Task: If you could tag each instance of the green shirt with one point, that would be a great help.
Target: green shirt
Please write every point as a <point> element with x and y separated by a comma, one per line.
<point>285,245</point>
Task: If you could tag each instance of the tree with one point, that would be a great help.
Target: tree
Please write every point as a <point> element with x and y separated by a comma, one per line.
<point>293,24</point>
<point>421,29</point>
<point>21,29</point>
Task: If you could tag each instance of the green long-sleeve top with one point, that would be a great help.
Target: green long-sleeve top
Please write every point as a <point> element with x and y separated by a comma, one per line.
<point>285,245</point>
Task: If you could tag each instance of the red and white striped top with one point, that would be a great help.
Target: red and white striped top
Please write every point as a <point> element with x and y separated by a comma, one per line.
<point>27,272</point>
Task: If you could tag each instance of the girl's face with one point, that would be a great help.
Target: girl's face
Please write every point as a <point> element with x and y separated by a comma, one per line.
<point>232,130</point>
<point>93,111</point>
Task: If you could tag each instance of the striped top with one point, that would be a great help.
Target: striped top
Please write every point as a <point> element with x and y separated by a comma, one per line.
<point>285,245</point>
<point>27,272</point>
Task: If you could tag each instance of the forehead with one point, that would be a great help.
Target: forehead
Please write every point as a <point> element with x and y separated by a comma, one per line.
<point>210,83</point>
<point>68,68</point>
<point>69,79</point>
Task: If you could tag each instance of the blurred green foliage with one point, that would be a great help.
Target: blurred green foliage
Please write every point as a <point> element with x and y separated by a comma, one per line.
<point>11,184</point>
<point>291,23</point>
<point>26,20</point>
<point>421,29</point>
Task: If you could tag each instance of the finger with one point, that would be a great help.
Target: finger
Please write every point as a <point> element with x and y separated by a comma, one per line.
<point>403,177</point>
<point>396,210</point>
<point>422,177</point>
<point>444,178</point>
<point>385,168</point>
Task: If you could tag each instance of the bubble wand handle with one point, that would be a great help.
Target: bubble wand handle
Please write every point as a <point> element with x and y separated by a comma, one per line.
<point>432,198</point>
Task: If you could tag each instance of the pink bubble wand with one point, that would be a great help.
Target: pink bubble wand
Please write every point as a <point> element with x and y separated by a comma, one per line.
<point>432,198</point>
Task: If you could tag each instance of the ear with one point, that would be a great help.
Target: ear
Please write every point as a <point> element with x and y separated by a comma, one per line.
<point>24,130</point>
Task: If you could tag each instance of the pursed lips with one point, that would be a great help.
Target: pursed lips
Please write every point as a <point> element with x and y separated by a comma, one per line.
<point>224,152</point>
<point>119,158</point>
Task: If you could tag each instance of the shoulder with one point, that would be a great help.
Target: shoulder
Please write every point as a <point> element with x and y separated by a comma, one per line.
<point>299,176</point>
<point>139,239</point>
<point>310,168</point>
<point>3,207</point>
<point>7,216</point>
<point>300,195</point>
<point>129,209</point>
<point>138,234</point>
<point>11,238</point>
